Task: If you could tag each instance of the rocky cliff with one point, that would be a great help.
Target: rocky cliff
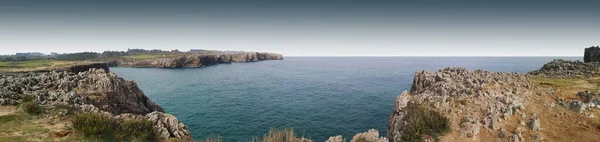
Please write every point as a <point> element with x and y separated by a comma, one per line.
<point>199,60</point>
<point>93,90</point>
<point>591,54</point>
<point>499,106</point>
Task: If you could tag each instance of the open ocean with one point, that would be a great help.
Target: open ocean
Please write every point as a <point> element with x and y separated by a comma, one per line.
<point>317,96</point>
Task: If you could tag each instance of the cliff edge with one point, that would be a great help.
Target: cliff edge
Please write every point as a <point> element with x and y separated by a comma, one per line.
<point>197,60</point>
<point>91,91</point>
<point>553,103</point>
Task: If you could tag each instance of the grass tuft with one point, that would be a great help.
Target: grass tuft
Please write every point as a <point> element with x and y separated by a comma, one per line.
<point>33,108</point>
<point>423,121</point>
<point>137,129</point>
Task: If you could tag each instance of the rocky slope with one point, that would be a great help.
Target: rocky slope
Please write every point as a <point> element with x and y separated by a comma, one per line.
<point>93,90</point>
<point>499,106</point>
<point>198,60</point>
<point>567,69</point>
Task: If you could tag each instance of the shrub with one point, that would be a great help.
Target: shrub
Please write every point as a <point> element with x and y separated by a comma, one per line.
<point>212,139</point>
<point>137,129</point>
<point>423,121</point>
<point>94,125</point>
<point>274,135</point>
<point>33,108</point>
<point>27,98</point>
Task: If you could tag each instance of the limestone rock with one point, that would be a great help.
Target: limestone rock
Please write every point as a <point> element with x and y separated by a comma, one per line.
<point>168,126</point>
<point>577,106</point>
<point>535,124</point>
<point>337,138</point>
<point>369,136</point>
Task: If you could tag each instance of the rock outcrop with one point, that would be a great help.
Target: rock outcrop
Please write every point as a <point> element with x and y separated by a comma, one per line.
<point>559,68</point>
<point>199,60</point>
<point>94,90</point>
<point>591,54</point>
<point>369,136</point>
<point>481,98</point>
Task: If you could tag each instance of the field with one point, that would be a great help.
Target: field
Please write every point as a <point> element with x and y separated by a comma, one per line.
<point>32,65</point>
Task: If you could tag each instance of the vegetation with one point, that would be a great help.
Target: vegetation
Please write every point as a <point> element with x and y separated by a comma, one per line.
<point>137,129</point>
<point>21,123</point>
<point>33,108</point>
<point>99,126</point>
<point>554,82</point>
<point>212,139</point>
<point>423,121</point>
<point>274,135</point>
<point>26,64</point>
<point>94,125</point>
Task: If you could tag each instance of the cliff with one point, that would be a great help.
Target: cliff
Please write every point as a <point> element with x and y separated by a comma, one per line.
<point>591,54</point>
<point>93,90</point>
<point>499,106</point>
<point>198,60</point>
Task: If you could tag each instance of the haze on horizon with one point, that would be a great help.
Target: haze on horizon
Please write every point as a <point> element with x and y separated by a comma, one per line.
<point>305,28</point>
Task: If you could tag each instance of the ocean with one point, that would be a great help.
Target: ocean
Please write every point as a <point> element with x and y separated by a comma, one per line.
<point>318,97</point>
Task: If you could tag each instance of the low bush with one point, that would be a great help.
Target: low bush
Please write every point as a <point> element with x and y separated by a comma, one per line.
<point>98,126</point>
<point>137,129</point>
<point>423,121</point>
<point>212,139</point>
<point>94,125</point>
<point>274,135</point>
<point>33,108</point>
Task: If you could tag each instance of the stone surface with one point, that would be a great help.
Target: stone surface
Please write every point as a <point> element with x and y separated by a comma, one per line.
<point>535,124</point>
<point>559,68</point>
<point>369,136</point>
<point>591,54</point>
<point>497,95</point>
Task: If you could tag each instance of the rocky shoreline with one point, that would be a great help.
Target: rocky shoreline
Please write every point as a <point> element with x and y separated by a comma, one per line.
<point>475,105</point>
<point>95,91</point>
<point>196,60</point>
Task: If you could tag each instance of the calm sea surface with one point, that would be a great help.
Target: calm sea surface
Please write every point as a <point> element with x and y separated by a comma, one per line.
<point>317,96</point>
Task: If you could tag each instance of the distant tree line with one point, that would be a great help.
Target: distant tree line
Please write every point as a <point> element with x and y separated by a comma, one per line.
<point>85,55</point>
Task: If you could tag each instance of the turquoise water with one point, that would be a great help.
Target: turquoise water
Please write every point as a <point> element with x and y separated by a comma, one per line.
<point>317,96</point>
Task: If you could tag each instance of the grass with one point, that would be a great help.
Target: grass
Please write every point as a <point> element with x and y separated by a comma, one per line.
<point>101,127</point>
<point>212,139</point>
<point>554,82</point>
<point>22,127</point>
<point>26,64</point>
<point>33,65</point>
<point>148,56</point>
<point>94,125</point>
<point>137,129</point>
<point>423,121</point>
<point>274,135</point>
<point>33,108</point>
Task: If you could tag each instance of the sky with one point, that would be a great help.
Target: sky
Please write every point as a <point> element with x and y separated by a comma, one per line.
<point>305,27</point>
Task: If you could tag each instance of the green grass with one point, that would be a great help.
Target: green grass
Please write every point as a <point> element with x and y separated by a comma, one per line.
<point>148,56</point>
<point>26,64</point>
<point>554,82</point>
<point>8,118</point>
<point>98,126</point>
<point>22,124</point>
<point>137,129</point>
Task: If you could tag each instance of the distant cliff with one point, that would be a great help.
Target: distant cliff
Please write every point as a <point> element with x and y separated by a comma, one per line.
<point>197,60</point>
<point>592,54</point>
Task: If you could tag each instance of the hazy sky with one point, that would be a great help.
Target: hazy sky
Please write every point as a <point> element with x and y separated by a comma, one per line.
<point>305,27</point>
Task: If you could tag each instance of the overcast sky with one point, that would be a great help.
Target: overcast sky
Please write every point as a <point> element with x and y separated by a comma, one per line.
<point>306,27</point>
